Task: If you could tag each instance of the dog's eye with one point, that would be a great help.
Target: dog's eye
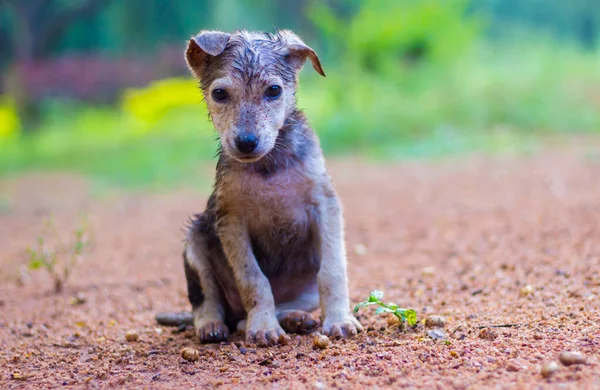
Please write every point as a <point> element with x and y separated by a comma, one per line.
<point>273,91</point>
<point>219,95</point>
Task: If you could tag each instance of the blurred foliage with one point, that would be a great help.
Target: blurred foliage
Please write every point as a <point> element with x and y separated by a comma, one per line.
<point>389,37</point>
<point>10,124</point>
<point>152,103</point>
<point>404,79</point>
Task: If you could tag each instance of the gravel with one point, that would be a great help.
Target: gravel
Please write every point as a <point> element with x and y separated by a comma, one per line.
<point>489,225</point>
<point>570,358</point>
<point>435,322</point>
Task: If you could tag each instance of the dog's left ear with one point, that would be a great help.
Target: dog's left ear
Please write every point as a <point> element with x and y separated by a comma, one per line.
<point>297,52</point>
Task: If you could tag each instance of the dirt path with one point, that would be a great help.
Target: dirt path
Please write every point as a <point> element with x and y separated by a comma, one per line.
<point>463,240</point>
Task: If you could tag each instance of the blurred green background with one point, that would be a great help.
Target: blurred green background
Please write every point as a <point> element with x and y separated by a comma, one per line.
<point>101,87</point>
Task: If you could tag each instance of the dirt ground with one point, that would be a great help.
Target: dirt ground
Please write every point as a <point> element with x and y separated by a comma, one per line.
<point>506,249</point>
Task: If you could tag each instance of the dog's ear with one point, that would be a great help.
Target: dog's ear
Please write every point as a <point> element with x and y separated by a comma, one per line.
<point>297,52</point>
<point>202,47</point>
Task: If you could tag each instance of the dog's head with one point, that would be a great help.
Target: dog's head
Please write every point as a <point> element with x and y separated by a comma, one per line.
<point>249,83</point>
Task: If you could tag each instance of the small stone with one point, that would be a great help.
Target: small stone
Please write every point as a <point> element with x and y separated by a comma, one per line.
<point>435,322</point>
<point>77,299</point>
<point>360,249</point>
<point>392,320</point>
<point>284,339</point>
<point>488,334</point>
<point>527,290</point>
<point>571,357</point>
<point>512,367</point>
<point>428,271</point>
<point>132,336</point>
<point>548,369</point>
<point>190,354</point>
<point>266,362</point>
<point>18,376</point>
<point>437,334</point>
<point>319,385</point>
<point>320,341</point>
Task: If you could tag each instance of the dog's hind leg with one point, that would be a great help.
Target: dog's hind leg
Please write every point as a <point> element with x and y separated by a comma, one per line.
<point>295,316</point>
<point>203,292</point>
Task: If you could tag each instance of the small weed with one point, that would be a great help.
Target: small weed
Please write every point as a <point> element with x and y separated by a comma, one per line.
<point>60,259</point>
<point>405,315</point>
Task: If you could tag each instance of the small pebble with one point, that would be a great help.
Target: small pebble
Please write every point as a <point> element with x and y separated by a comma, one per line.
<point>428,271</point>
<point>319,385</point>
<point>435,322</point>
<point>487,334</point>
<point>512,367</point>
<point>78,299</point>
<point>321,341</point>
<point>360,249</point>
<point>569,358</point>
<point>392,320</point>
<point>284,339</point>
<point>437,334</point>
<point>527,290</point>
<point>190,354</point>
<point>266,362</point>
<point>132,336</point>
<point>549,369</point>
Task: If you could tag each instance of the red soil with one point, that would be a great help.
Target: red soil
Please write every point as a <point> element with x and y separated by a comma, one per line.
<point>461,240</point>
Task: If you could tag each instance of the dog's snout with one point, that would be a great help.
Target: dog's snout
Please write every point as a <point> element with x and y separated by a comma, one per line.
<point>246,143</point>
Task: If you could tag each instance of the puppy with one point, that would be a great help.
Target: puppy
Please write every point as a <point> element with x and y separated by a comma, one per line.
<point>269,248</point>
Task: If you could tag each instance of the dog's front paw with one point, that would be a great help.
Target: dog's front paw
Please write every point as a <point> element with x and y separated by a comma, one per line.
<point>212,332</point>
<point>344,327</point>
<point>263,331</point>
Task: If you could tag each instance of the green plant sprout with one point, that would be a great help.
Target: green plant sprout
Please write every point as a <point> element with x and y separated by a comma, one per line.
<point>60,260</point>
<point>404,315</point>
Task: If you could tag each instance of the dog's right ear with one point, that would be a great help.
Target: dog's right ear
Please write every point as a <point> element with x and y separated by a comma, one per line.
<point>202,47</point>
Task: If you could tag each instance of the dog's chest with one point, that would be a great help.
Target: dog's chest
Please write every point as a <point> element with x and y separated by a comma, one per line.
<point>280,213</point>
<point>282,200</point>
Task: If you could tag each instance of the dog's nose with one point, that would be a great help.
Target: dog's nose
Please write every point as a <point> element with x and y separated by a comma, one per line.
<point>246,143</point>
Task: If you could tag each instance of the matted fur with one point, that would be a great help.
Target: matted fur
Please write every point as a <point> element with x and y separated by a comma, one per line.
<point>270,245</point>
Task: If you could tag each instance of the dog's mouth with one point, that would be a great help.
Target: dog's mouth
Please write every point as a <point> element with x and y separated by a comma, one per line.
<point>248,159</point>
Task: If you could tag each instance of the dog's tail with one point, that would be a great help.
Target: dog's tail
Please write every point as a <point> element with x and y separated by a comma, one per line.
<point>175,319</point>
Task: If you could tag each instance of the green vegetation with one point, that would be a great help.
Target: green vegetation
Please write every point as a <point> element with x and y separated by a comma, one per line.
<point>408,316</point>
<point>405,80</point>
<point>58,258</point>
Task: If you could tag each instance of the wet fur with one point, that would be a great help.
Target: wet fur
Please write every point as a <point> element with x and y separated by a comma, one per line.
<point>269,246</point>
<point>277,197</point>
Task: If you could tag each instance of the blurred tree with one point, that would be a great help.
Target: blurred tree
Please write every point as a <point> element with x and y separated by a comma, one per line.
<point>38,28</point>
<point>40,24</point>
<point>588,31</point>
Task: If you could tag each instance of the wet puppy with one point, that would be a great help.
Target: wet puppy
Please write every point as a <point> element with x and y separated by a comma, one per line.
<point>269,248</point>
